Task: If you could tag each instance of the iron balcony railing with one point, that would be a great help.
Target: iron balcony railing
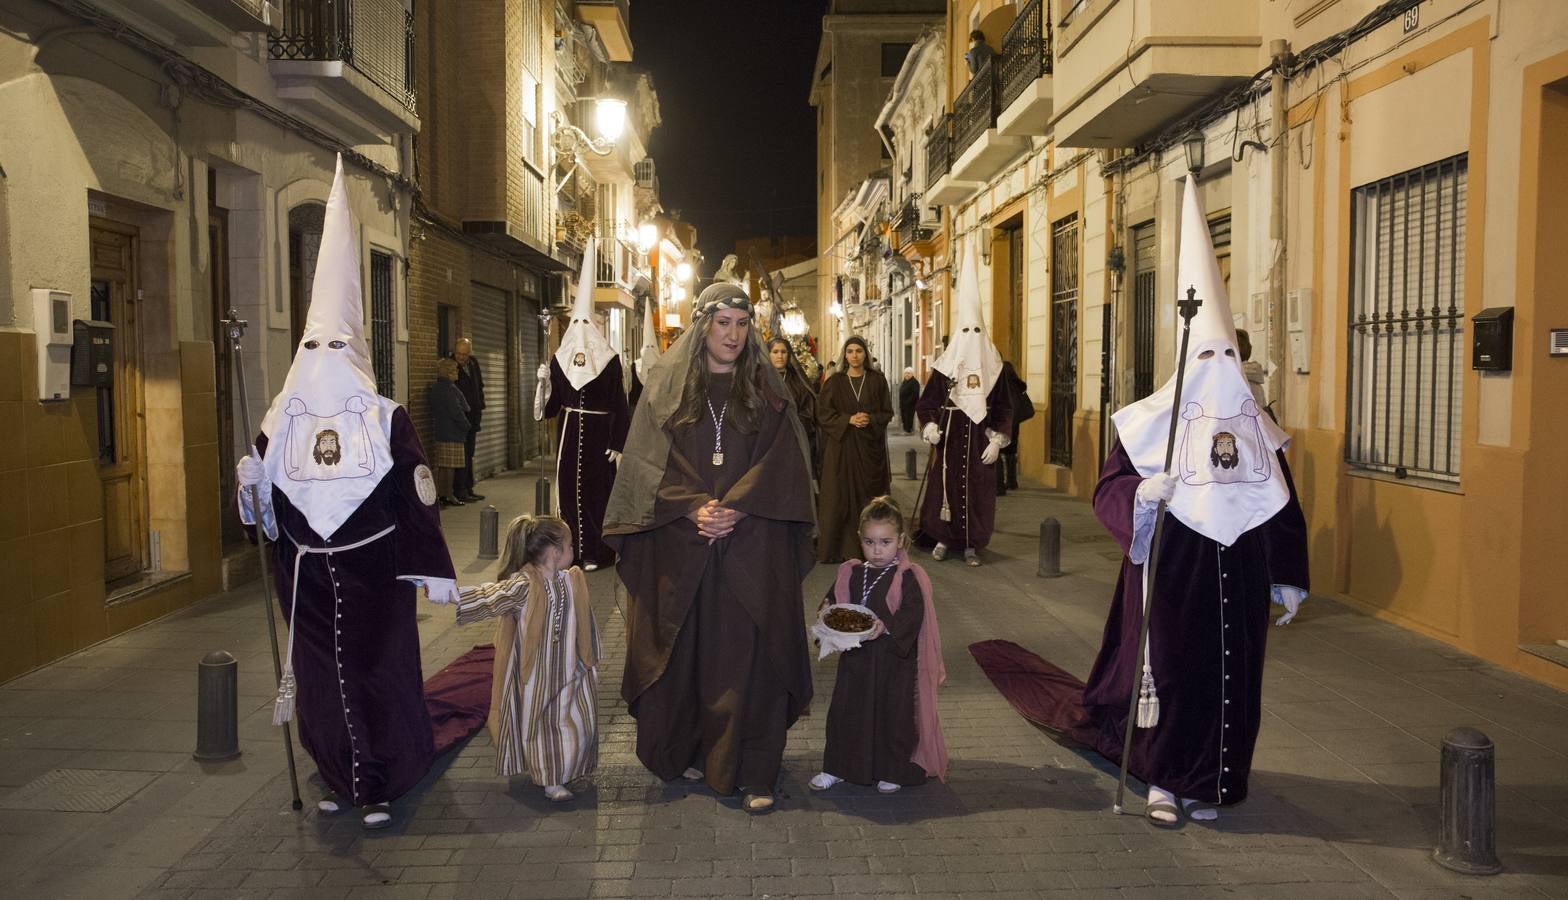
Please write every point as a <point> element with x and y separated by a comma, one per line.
<point>908,226</point>
<point>939,148</point>
<point>975,109</point>
<point>375,37</point>
<point>1026,53</point>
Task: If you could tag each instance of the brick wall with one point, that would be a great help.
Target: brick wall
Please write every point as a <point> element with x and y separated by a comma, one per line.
<point>438,273</point>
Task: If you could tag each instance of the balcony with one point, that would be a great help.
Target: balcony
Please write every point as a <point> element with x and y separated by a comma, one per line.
<point>1024,80</point>
<point>196,23</point>
<point>941,187</point>
<point>1164,69</point>
<point>350,62</point>
<point>620,269</point>
<point>980,150</point>
<point>610,18</point>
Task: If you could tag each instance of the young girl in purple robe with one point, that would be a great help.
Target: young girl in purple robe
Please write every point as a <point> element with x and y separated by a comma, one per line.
<point>882,724</point>
<point>545,680</point>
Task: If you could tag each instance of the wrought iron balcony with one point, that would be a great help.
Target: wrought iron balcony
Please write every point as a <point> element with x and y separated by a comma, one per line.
<point>1026,53</point>
<point>939,148</point>
<point>374,37</point>
<point>907,224</point>
<point>974,112</point>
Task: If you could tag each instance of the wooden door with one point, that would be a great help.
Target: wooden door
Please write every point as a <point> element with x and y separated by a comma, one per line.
<point>122,456</point>
<point>223,373</point>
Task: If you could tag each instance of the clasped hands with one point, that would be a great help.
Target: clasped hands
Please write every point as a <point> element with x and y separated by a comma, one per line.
<point>714,521</point>
<point>860,419</point>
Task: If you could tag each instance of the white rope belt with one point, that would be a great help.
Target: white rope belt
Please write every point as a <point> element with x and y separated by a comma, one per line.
<point>590,412</point>
<point>283,707</point>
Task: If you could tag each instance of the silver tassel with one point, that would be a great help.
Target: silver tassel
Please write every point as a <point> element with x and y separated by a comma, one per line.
<point>1148,701</point>
<point>283,707</point>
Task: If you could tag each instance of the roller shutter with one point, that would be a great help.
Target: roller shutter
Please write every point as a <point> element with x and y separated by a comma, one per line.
<point>488,331</point>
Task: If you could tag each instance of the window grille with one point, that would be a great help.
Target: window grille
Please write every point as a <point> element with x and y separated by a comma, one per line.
<point>1144,260</point>
<point>1064,338</point>
<point>1405,372</point>
<point>382,344</point>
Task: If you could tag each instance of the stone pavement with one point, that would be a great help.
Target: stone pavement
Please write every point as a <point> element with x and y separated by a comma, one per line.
<point>1343,801</point>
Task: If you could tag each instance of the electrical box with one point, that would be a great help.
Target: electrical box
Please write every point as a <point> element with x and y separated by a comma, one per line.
<point>1492,344</point>
<point>92,353</point>
<point>1298,312</point>
<point>52,330</point>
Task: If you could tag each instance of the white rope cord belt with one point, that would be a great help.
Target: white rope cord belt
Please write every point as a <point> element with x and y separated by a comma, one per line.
<point>283,707</point>
<point>591,412</point>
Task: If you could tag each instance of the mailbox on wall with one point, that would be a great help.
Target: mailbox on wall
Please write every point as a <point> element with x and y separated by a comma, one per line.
<point>92,353</point>
<point>1492,344</point>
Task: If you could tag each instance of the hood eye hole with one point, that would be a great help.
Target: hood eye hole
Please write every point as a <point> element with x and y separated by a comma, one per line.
<point>1207,354</point>
<point>336,345</point>
<point>1230,353</point>
<point>311,345</point>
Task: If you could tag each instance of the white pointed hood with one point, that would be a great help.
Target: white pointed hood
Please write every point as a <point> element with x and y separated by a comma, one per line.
<point>971,361</point>
<point>650,343</point>
<point>584,350</point>
<point>1224,457</point>
<point>328,431</point>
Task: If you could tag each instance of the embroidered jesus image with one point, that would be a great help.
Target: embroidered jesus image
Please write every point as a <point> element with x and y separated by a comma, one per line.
<point>579,359</point>
<point>972,382</point>
<point>1223,453</point>
<point>1223,450</point>
<point>327,451</point>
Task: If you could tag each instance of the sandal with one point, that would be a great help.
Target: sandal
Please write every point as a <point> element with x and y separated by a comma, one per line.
<point>376,816</point>
<point>692,774</point>
<point>1150,809</point>
<point>822,781</point>
<point>758,804</point>
<point>1191,807</point>
<point>558,793</point>
<point>329,804</point>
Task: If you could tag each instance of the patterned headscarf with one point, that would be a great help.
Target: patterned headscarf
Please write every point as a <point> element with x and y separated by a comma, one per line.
<point>721,295</point>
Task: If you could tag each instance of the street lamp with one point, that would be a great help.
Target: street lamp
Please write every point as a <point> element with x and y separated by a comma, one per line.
<point>836,310</point>
<point>678,293</point>
<point>647,236</point>
<point>683,271</point>
<point>794,323</point>
<point>570,142</point>
<point>1193,145</point>
<point>609,116</point>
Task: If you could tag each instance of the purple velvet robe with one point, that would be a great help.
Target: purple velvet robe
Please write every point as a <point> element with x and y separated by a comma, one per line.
<point>968,484</point>
<point>583,473</point>
<point>1210,622</point>
<point>360,705</point>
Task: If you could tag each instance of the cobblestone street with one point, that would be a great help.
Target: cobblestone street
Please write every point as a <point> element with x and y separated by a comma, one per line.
<point>1343,806</point>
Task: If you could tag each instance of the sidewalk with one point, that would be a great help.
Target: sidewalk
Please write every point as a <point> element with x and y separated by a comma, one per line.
<point>1343,802</point>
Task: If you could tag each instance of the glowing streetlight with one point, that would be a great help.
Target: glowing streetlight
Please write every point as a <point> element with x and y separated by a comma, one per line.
<point>678,293</point>
<point>609,115</point>
<point>683,271</point>
<point>647,236</point>
<point>836,310</point>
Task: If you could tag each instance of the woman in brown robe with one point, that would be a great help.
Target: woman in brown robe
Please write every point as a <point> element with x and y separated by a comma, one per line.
<point>782,356</point>
<point>853,409</point>
<point>711,515</point>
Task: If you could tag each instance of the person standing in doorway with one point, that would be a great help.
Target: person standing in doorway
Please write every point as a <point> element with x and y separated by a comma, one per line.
<point>471,382</point>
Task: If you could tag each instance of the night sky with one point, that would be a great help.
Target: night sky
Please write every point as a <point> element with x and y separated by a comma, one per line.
<point>736,154</point>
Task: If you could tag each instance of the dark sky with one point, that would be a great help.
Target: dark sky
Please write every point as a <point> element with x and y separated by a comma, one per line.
<point>737,151</point>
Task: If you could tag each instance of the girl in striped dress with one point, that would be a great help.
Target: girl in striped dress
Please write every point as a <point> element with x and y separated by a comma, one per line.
<point>542,695</point>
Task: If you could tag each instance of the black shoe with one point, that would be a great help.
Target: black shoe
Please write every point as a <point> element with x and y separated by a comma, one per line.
<point>451,501</point>
<point>471,497</point>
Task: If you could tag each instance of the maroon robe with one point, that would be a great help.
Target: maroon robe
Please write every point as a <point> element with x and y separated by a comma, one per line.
<point>716,665</point>
<point>360,704</point>
<point>968,484</point>
<point>590,421</point>
<point>1207,637</point>
<point>855,466</point>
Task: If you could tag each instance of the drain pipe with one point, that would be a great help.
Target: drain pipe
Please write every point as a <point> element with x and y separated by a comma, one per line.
<point>1279,51</point>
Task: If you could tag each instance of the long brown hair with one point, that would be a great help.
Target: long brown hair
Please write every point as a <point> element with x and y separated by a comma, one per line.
<point>843,361</point>
<point>527,539</point>
<point>746,397</point>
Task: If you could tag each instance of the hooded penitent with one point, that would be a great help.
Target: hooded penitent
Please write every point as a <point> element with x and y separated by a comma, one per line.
<point>584,351</point>
<point>1224,458</point>
<point>971,360</point>
<point>328,431</point>
<point>650,343</point>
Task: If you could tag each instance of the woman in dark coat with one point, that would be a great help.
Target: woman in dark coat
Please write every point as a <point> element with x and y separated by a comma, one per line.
<point>853,410</point>
<point>782,355</point>
<point>908,395</point>
<point>449,423</point>
<point>1023,411</point>
<point>711,515</point>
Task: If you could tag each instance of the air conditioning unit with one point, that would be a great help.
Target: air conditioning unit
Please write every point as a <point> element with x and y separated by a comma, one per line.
<point>645,173</point>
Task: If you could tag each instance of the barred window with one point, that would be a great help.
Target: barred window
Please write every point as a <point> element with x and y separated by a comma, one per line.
<point>1405,373</point>
<point>382,345</point>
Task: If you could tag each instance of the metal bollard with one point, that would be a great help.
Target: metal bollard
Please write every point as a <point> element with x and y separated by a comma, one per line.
<point>217,707</point>
<point>911,460</point>
<point>1467,805</point>
<point>542,504</point>
<point>489,538</point>
<point>1050,549</point>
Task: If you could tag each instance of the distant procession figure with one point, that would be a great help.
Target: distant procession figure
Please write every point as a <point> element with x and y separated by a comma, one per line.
<point>853,411</point>
<point>582,388</point>
<point>966,414</point>
<point>712,518</point>
<point>908,396</point>
<point>782,356</point>
<point>350,505</point>
<point>645,359</point>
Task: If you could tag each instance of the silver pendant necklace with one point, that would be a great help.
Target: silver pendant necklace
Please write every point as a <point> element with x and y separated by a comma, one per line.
<point>867,585</point>
<point>853,389</point>
<point>718,431</point>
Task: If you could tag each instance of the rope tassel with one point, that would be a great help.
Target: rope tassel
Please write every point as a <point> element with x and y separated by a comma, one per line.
<point>283,706</point>
<point>1148,701</point>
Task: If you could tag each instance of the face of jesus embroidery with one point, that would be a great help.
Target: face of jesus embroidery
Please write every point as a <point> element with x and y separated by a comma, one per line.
<point>327,452</point>
<point>972,382</point>
<point>579,359</point>
<point>1223,454</point>
<point>1223,450</point>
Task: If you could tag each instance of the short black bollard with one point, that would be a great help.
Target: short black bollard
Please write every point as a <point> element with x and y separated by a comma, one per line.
<point>542,504</point>
<point>489,526</point>
<point>911,460</point>
<point>1467,805</point>
<point>217,707</point>
<point>1050,549</point>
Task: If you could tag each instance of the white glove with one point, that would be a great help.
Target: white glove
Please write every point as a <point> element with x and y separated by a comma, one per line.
<point>440,590</point>
<point>250,472</point>
<point>614,456</point>
<point>542,392</point>
<point>1155,489</point>
<point>931,434</point>
<point>1290,598</point>
<point>990,453</point>
<point>543,374</point>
